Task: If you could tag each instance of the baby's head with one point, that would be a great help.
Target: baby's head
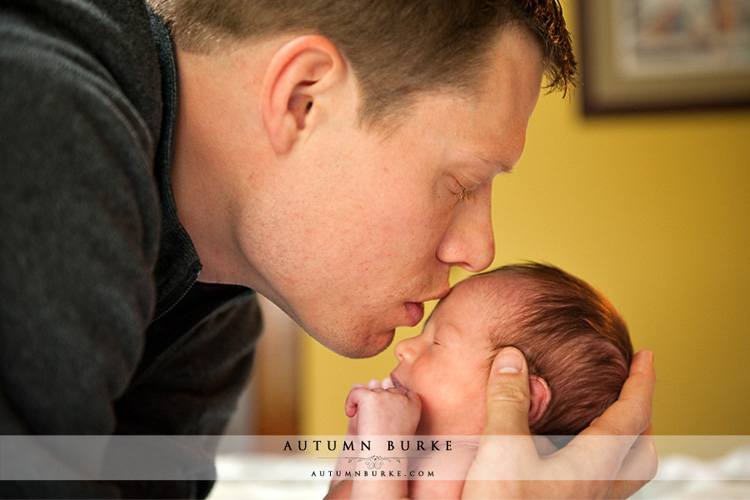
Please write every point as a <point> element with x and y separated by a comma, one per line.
<point>576,345</point>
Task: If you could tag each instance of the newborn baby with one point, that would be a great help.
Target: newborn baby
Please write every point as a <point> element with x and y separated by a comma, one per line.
<point>576,345</point>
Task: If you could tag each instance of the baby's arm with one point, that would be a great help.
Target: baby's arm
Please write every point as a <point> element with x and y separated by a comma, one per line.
<point>378,410</point>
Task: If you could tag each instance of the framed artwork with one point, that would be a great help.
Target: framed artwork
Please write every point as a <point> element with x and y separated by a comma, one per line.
<point>657,55</point>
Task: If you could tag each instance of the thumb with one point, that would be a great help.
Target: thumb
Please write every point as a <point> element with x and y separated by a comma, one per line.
<point>508,394</point>
<point>352,401</point>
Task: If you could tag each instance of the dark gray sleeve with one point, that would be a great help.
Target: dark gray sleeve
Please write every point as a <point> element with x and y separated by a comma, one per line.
<point>191,389</point>
<point>78,236</point>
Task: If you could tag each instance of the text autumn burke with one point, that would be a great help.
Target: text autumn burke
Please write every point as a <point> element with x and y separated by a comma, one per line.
<point>366,445</point>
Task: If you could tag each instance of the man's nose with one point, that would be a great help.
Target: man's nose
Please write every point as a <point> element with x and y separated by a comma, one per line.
<point>469,241</point>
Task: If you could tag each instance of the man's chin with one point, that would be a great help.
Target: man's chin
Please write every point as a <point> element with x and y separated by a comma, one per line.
<point>357,346</point>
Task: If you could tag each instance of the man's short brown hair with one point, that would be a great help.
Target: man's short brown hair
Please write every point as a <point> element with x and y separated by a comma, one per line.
<point>395,47</point>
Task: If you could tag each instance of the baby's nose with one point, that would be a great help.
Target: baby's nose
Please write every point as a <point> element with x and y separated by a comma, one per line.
<point>404,351</point>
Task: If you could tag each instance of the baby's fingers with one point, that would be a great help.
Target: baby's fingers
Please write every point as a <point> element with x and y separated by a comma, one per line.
<point>353,399</point>
<point>374,384</point>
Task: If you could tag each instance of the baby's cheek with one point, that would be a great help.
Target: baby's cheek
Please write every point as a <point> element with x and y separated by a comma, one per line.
<point>475,403</point>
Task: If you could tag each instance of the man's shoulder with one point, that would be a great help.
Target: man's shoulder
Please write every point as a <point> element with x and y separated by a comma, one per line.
<point>82,113</point>
<point>99,41</point>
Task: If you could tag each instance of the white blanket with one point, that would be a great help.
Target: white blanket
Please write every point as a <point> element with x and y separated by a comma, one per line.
<point>679,477</point>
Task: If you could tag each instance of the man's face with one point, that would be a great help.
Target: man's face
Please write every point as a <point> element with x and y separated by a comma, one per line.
<point>352,237</point>
<point>448,363</point>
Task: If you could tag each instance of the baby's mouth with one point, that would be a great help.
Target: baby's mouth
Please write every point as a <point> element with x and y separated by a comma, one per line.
<point>398,385</point>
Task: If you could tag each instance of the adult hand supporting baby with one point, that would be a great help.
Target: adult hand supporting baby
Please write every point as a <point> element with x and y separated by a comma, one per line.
<point>623,462</point>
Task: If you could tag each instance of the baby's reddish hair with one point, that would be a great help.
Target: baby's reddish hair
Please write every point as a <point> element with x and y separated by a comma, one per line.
<point>571,336</point>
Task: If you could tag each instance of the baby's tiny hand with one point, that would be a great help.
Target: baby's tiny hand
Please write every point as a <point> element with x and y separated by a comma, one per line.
<point>381,409</point>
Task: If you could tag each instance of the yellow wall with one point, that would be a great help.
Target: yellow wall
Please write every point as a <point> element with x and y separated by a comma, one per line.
<point>654,210</point>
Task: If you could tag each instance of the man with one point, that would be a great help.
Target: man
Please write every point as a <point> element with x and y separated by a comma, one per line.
<point>336,157</point>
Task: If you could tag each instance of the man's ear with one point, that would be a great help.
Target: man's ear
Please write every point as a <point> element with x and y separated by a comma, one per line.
<point>297,76</point>
<point>540,395</point>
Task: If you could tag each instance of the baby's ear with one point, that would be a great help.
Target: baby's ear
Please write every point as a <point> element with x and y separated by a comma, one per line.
<point>540,395</point>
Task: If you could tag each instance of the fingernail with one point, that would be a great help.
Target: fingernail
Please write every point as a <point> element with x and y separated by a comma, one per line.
<point>508,362</point>
<point>646,354</point>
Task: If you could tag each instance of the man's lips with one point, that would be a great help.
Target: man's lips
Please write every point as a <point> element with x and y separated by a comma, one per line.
<point>415,311</point>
